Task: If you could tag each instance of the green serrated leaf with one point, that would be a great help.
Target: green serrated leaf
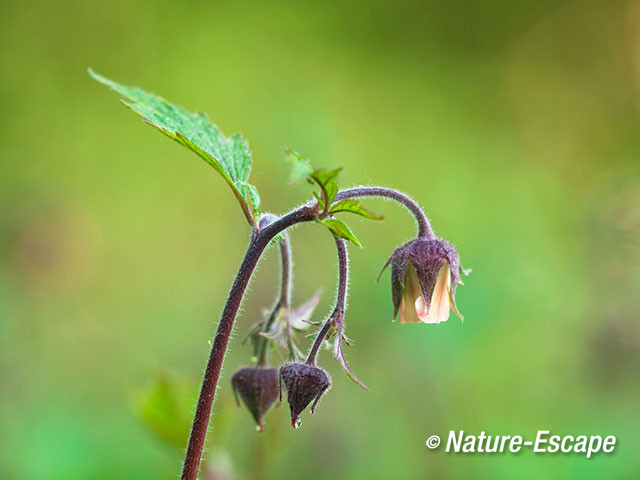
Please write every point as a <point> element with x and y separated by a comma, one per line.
<point>300,167</point>
<point>229,156</point>
<point>340,229</point>
<point>354,206</point>
<point>327,180</point>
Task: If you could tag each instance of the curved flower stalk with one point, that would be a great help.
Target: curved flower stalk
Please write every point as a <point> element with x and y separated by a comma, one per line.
<point>305,382</point>
<point>334,325</point>
<point>424,226</point>
<point>282,321</point>
<point>260,240</point>
<point>425,271</point>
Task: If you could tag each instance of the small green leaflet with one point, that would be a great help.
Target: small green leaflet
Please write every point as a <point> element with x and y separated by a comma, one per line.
<point>229,156</point>
<point>340,229</point>
<point>300,167</point>
<point>328,182</point>
<point>354,206</point>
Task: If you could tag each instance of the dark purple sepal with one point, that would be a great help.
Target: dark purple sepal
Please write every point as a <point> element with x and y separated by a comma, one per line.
<point>304,384</point>
<point>259,389</point>
<point>427,256</point>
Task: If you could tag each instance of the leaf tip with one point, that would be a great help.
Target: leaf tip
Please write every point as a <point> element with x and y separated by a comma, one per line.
<point>96,76</point>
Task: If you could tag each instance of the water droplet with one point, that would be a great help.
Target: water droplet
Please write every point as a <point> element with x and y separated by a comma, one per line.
<point>298,423</point>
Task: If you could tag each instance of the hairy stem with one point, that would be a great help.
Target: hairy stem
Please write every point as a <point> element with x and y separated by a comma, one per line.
<point>259,242</point>
<point>285,280</point>
<point>283,301</point>
<point>261,238</point>
<point>341,301</point>
<point>424,227</point>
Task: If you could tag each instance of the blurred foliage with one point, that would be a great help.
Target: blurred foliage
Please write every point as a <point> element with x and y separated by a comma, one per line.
<point>514,123</point>
<point>164,406</point>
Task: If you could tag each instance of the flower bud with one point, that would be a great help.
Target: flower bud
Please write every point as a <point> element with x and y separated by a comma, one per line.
<point>304,383</point>
<point>424,275</point>
<point>259,389</point>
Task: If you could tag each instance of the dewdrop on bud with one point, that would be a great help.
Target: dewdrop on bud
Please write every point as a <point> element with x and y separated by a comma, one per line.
<point>304,383</point>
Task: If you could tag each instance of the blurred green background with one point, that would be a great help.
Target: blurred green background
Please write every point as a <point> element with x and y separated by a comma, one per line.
<point>515,124</point>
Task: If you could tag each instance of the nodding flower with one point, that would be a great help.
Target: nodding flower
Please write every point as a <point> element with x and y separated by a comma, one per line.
<point>304,383</point>
<point>259,389</point>
<point>424,275</point>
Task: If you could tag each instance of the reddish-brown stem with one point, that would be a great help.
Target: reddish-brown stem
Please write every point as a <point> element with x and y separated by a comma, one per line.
<point>285,262</point>
<point>424,227</point>
<point>283,301</point>
<point>341,301</point>
<point>258,243</point>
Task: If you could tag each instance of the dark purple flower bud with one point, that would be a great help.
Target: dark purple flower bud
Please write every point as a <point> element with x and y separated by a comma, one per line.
<point>424,275</point>
<point>304,383</point>
<point>259,389</point>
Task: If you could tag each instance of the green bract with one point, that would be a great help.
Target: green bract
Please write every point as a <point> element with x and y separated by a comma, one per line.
<point>327,180</point>
<point>354,206</point>
<point>340,229</point>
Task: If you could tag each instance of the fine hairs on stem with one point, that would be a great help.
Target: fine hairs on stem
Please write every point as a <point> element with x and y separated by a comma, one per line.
<point>338,311</point>
<point>260,240</point>
<point>283,302</point>
<point>424,227</point>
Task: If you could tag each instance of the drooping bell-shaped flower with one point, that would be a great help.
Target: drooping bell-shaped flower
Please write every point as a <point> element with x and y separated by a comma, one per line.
<point>424,275</point>
<point>259,389</point>
<point>304,383</point>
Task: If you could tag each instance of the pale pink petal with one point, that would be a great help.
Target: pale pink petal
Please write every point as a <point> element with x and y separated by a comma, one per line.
<point>421,307</point>
<point>440,303</point>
